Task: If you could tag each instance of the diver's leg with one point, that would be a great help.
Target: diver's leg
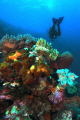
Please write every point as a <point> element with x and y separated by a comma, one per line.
<point>55,21</point>
<point>53,27</point>
<point>51,31</point>
<point>60,20</point>
<point>59,30</point>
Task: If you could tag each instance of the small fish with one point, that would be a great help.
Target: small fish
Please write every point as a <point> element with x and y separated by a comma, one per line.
<point>15,56</point>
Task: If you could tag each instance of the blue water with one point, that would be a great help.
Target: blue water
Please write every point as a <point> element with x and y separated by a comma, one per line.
<point>35,16</point>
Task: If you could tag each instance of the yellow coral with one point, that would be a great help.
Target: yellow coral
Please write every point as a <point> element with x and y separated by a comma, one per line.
<point>32,68</point>
<point>54,54</point>
<point>15,56</point>
<point>44,48</point>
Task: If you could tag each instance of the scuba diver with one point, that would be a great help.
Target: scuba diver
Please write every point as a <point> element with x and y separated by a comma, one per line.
<point>53,33</point>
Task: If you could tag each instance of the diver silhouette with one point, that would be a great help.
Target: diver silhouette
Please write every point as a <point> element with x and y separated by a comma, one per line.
<point>53,33</point>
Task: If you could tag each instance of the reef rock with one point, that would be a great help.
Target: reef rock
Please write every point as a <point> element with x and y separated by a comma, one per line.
<point>64,60</point>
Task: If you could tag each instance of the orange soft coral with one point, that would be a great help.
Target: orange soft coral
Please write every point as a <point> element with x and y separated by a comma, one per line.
<point>15,56</point>
<point>44,68</point>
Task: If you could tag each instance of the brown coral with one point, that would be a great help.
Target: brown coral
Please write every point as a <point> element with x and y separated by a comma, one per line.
<point>11,43</point>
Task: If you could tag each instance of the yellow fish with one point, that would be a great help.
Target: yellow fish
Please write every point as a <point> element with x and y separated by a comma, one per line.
<point>15,56</point>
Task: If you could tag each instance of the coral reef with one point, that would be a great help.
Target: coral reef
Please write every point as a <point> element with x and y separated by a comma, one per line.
<point>33,83</point>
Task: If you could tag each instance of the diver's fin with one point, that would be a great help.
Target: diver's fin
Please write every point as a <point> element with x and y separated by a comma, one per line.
<point>60,20</point>
<point>55,20</point>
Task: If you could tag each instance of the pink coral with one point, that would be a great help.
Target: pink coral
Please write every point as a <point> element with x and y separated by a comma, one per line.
<point>57,98</point>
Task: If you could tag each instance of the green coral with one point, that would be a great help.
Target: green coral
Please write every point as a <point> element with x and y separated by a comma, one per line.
<point>17,113</point>
<point>71,89</point>
<point>49,78</point>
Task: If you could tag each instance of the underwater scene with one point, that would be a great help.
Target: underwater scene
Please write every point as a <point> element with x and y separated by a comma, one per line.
<point>39,60</point>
